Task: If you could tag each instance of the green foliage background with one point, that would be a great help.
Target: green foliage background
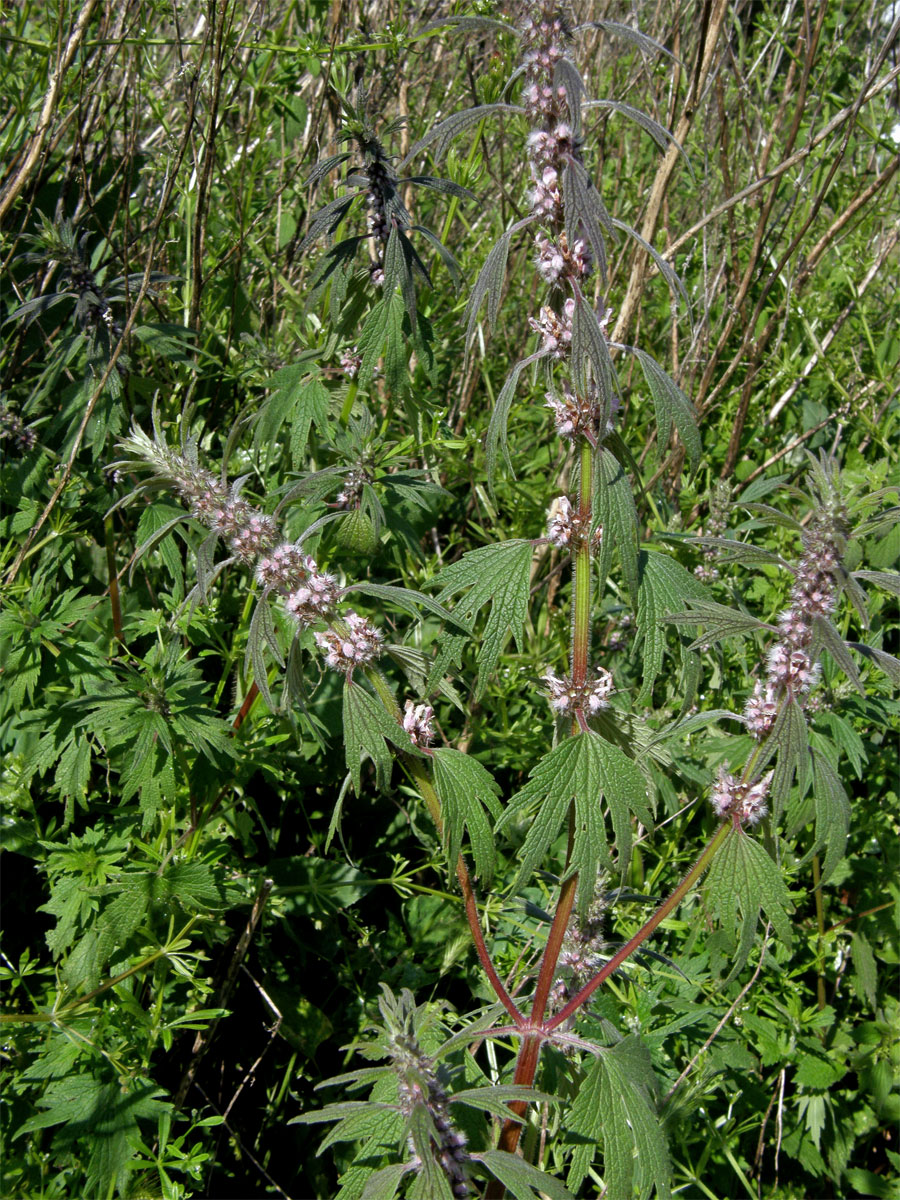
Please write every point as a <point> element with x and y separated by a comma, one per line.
<point>198,914</point>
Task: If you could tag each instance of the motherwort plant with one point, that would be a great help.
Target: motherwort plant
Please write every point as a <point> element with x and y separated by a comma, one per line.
<point>574,819</point>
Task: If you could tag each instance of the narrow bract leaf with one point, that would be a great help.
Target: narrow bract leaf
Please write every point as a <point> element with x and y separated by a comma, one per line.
<point>408,600</point>
<point>888,580</point>
<point>826,637</point>
<point>585,213</point>
<point>497,430</point>
<point>884,661</point>
<point>671,405</point>
<point>489,285</point>
<point>665,269</point>
<point>718,620</point>
<point>616,511</point>
<point>441,135</point>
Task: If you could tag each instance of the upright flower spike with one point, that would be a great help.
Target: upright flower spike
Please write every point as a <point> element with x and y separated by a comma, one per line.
<point>791,669</point>
<point>282,568</point>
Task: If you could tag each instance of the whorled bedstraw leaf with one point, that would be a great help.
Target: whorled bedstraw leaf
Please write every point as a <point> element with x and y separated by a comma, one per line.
<point>368,727</point>
<point>614,1105</point>
<point>743,879</point>
<point>585,769</point>
<point>664,587</point>
<point>497,575</point>
<point>465,789</point>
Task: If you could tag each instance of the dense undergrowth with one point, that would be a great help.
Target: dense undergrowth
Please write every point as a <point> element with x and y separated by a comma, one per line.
<point>443,502</point>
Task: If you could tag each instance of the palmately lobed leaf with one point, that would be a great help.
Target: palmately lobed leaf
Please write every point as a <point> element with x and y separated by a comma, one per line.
<point>497,575</point>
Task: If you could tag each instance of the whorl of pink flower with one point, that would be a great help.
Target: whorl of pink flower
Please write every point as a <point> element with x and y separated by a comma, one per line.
<point>565,528</point>
<point>555,330</point>
<point>418,722</point>
<point>744,802</point>
<point>355,645</point>
<point>591,698</point>
<point>314,594</point>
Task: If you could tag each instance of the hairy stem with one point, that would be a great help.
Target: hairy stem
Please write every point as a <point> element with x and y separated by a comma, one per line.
<point>668,906</point>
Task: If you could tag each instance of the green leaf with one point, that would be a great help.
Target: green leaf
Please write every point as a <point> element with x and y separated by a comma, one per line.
<point>497,575</point>
<point>864,970</point>
<point>671,405</point>
<point>616,512</point>
<point>744,879</point>
<point>888,580</point>
<point>664,587</point>
<point>718,620</point>
<point>383,1184</point>
<point>310,885</point>
<point>614,1102</point>
<point>832,813</point>
<point>408,600</point>
<point>818,1072</point>
<point>367,729</point>
<point>382,335</point>
<point>488,285</point>
<point>789,735</point>
<point>826,636</point>
<point>104,1116</point>
<point>521,1178</point>
<point>584,769</point>
<point>495,1097</point>
<point>465,789</point>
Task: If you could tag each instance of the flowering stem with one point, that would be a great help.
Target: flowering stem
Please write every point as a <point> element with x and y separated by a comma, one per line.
<point>581,628</point>
<point>668,906</point>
